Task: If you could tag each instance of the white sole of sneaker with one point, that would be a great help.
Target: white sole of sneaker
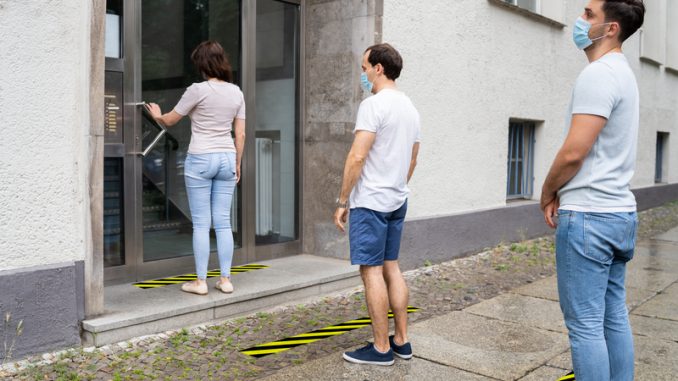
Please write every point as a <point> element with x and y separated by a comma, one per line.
<point>404,357</point>
<point>356,361</point>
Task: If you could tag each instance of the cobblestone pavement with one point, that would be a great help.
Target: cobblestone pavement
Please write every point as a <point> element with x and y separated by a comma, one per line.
<point>211,352</point>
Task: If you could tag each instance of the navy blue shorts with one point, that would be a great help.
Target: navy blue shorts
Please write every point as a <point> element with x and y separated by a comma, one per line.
<point>375,236</point>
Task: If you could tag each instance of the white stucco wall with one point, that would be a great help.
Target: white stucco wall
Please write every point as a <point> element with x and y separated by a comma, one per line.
<point>470,65</point>
<point>44,131</point>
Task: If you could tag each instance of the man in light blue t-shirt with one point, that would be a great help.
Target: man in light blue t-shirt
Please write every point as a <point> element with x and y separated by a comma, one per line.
<point>588,188</point>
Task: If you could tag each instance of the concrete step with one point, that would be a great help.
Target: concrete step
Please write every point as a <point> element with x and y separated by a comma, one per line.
<point>132,312</point>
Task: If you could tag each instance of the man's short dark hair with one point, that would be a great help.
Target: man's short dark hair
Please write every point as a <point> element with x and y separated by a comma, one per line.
<point>388,57</point>
<point>630,15</point>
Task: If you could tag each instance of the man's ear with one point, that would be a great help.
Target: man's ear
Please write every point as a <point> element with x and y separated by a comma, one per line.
<point>379,68</point>
<point>615,29</point>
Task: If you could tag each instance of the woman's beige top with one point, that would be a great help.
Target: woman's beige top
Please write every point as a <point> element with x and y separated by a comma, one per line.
<point>212,107</point>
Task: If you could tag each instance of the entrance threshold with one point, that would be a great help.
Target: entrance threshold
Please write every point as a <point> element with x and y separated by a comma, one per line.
<point>132,311</point>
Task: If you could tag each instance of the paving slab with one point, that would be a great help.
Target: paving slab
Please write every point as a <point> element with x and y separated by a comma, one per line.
<point>650,278</point>
<point>526,310</point>
<point>490,347</point>
<point>671,235</point>
<point>656,360</point>
<point>334,368</point>
<point>664,250</point>
<point>655,328</point>
<point>657,256</point>
<point>561,361</point>
<point>545,373</point>
<point>663,306</point>
<point>547,288</point>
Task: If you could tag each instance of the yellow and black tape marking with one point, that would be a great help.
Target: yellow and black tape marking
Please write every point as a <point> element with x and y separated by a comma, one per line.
<point>311,337</point>
<point>155,283</point>
<point>567,377</point>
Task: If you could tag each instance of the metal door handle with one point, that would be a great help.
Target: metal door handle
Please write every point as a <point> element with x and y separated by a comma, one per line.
<point>163,129</point>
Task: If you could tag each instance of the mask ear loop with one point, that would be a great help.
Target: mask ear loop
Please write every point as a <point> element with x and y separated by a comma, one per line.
<point>603,36</point>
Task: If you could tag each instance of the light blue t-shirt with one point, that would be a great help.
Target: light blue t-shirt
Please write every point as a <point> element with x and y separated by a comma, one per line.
<point>607,87</point>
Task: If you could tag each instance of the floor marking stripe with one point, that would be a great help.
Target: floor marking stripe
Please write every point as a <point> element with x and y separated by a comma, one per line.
<point>288,342</point>
<point>350,327</point>
<point>322,335</point>
<point>176,279</point>
<point>278,346</point>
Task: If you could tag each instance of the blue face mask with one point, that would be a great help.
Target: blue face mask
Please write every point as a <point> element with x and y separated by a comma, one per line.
<point>365,83</point>
<point>580,33</point>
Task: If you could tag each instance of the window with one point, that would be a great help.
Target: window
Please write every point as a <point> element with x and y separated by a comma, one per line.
<point>547,11</point>
<point>520,163</point>
<point>530,5</point>
<point>660,161</point>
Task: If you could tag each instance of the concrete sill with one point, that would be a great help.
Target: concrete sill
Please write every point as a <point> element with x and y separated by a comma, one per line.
<point>529,14</point>
<point>650,61</point>
<point>671,70</point>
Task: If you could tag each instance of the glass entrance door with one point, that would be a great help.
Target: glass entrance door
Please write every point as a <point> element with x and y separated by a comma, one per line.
<point>148,229</point>
<point>170,30</point>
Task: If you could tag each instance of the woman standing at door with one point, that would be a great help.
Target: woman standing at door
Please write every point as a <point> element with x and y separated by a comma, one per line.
<point>216,107</point>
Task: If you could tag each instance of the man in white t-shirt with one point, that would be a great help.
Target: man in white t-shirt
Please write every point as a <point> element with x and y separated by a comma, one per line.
<point>378,167</point>
<point>589,187</point>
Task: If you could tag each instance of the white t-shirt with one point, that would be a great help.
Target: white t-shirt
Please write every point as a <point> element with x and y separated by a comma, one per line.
<point>607,87</point>
<point>382,185</point>
<point>212,107</point>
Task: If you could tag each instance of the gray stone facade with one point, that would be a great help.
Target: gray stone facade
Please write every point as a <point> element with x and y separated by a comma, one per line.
<point>336,34</point>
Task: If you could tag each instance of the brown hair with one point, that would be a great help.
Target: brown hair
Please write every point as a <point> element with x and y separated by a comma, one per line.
<point>388,57</point>
<point>211,61</point>
<point>630,15</point>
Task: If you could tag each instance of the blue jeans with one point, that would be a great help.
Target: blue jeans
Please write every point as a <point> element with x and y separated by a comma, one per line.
<point>210,181</point>
<point>591,254</point>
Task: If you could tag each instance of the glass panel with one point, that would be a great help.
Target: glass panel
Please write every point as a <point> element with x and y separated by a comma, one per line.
<point>114,248</point>
<point>113,29</point>
<point>528,4</point>
<point>170,31</point>
<point>277,105</point>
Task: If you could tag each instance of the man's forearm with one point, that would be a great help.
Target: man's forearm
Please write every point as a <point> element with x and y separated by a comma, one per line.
<point>410,172</point>
<point>561,172</point>
<point>352,171</point>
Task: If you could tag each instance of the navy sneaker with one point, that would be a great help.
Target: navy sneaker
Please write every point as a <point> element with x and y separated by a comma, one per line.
<point>369,355</point>
<point>403,351</point>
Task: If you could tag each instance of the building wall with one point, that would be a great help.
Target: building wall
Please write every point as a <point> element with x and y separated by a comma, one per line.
<point>472,65</point>
<point>336,35</point>
<point>44,150</point>
<point>44,108</point>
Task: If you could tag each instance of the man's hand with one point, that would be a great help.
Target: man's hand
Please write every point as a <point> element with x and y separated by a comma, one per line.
<point>340,218</point>
<point>550,211</point>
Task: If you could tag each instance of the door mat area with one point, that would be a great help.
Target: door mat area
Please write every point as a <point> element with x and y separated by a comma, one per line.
<point>155,283</point>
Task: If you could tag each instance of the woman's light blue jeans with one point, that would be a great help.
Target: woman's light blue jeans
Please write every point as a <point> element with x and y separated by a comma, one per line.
<point>591,254</point>
<point>210,181</point>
